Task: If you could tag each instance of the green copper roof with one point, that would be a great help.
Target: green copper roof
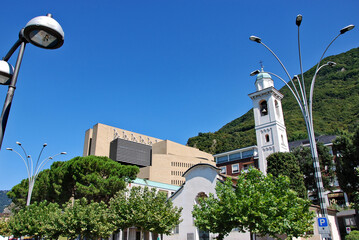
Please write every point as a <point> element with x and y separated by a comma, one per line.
<point>263,75</point>
<point>155,184</point>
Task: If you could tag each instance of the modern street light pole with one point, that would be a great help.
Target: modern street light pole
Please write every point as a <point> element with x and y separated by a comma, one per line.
<point>33,172</point>
<point>44,32</point>
<point>306,109</point>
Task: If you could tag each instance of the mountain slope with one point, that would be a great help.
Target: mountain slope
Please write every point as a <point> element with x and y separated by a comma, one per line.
<point>4,200</point>
<point>335,107</point>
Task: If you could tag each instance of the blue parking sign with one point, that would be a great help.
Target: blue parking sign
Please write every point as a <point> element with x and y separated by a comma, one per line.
<point>322,222</point>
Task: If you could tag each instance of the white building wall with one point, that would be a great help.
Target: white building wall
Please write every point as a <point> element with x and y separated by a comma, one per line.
<point>200,178</point>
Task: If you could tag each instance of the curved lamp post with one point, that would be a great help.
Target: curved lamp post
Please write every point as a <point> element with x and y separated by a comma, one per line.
<point>44,32</point>
<point>33,171</point>
<point>302,100</point>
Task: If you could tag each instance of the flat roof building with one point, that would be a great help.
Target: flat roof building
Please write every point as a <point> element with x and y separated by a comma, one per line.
<point>159,160</point>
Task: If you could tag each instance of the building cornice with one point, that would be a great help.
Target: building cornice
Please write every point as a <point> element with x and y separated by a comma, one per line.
<point>266,91</point>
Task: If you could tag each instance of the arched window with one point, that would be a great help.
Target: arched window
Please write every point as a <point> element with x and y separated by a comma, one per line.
<point>263,108</point>
<point>200,195</point>
<point>267,138</point>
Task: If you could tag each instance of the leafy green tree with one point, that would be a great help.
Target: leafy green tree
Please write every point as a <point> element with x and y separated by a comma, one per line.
<point>92,177</point>
<point>268,206</point>
<point>4,228</point>
<point>218,214</point>
<point>347,148</point>
<point>86,219</point>
<point>356,196</point>
<point>261,204</point>
<point>18,193</point>
<point>36,220</point>
<point>305,161</point>
<point>286,164</point>
<point>353,235</point>
<point>146,209</point>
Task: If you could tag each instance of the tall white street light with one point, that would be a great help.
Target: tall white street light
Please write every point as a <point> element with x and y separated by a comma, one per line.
<point>44,32</point>
<point>306,109</point>
<point>33,171</point>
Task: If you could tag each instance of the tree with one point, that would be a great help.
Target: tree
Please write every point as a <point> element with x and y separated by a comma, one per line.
<point>35,220</point>
<point>286,164</point>
<point>146,209</point>
<point>19,192</point>
<point>217,214</point>
<point>260,204</point>
<point>353,235</point>
<point>270,206</point>
<point>346,147</point>
<point>305,161</point>
<point>356,196</point>
<point>92,177</point>
<point>86,219</point>
<point>48,220</point>
<point>4,227</point>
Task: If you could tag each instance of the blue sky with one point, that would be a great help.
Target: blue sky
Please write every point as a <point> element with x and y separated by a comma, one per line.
<point>164,68</point>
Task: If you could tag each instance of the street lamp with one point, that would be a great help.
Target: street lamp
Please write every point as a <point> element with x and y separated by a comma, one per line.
<point>302,100</point>
<point>42,31</point>
<point>33,171</point>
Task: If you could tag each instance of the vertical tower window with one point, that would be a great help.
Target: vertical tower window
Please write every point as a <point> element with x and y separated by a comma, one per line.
<point>263,108</point>
<point>276,104</point>
<point>267,137</point>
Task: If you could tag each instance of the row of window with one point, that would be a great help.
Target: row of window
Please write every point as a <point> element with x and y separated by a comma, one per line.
<point>177,182</point>
<point>177,173</point>
<point>235,156</point>
<point>235,168</point>
<point>181,164</point>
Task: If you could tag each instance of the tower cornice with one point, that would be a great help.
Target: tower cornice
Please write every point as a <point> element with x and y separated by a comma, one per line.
<point>266,91</point>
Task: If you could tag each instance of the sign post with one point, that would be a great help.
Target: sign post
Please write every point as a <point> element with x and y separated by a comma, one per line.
<point>323,227</point>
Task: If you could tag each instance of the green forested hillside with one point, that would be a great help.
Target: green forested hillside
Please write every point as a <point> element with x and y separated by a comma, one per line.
<point>4,200</point>
<point>335,107</point>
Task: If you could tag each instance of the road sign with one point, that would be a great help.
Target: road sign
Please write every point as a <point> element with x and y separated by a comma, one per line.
<point>323,222</point>
<point>348,229</point>
<point>326,235</point>
<point>323,227</point>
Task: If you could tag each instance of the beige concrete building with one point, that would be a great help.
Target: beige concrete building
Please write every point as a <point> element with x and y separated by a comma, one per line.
<point>159,160</point>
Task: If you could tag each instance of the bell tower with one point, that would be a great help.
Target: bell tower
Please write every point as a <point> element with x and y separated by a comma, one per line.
<point>269,122</point>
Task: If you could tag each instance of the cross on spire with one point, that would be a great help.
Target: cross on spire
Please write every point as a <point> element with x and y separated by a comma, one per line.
<point>261,63</point>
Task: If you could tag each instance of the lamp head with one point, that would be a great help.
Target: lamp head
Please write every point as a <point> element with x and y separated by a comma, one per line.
<point>10,149</point>
<point>255,39</point>
<point>18,143</point>
<point>346,29</point>
<point>6,72</point>
<point>44,145</point>
<point>255,72</point>
<point>63,153</point>
<point>331,64</point>
<point>298,20</point>
<point>295,77</point>
<point>44,32</point>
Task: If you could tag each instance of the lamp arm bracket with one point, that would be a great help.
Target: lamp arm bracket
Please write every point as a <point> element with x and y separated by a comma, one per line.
<point>15,46</point>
